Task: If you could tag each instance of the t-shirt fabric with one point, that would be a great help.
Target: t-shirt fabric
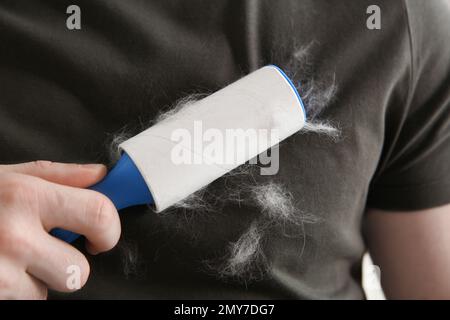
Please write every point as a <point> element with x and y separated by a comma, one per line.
<point>63,93</point>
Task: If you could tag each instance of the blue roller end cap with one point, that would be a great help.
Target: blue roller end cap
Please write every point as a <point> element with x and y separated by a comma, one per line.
<point>123,185</point>
<point>292,85</point>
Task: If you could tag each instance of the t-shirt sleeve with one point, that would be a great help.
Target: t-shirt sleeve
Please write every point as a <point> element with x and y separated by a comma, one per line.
<point>414,172</point>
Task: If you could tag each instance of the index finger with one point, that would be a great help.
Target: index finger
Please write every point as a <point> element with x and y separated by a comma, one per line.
<point>83,211</point>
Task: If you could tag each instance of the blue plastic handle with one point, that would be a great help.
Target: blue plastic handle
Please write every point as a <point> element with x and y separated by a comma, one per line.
<point>124,185</point>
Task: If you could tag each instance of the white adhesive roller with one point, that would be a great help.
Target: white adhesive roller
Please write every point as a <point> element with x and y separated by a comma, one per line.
<point>264,99</point>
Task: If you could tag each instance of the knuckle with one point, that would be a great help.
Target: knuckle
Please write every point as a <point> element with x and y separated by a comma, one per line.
<point>12,190</point>
<point>42,164</point>
<point>9,281</point>
<point>15,243</point>
<point>7,239</point>
<point>101,213</point>
<point>6,283</point>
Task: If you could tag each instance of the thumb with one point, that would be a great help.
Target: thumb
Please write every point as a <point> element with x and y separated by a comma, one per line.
<point>70,174</point>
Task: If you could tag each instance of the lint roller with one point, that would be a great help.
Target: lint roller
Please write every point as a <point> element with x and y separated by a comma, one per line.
<point>146,173</point>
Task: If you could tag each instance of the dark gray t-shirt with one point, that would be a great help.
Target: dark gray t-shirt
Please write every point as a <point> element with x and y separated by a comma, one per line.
<point>62,94</point>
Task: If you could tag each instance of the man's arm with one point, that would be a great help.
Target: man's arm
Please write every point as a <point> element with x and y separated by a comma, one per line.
<point>412,250</point>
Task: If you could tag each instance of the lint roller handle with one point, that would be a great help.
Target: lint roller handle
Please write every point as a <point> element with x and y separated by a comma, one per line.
<point>123,185</point>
